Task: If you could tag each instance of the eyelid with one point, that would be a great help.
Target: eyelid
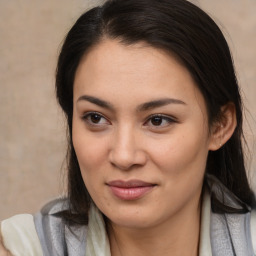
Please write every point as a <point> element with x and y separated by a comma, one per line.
<point>163,116</point>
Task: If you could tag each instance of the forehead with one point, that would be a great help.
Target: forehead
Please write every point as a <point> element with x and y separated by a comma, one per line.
<point>135,71</point>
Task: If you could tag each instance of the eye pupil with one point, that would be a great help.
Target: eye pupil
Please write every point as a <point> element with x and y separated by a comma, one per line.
<point>157,120</point>
<point>95,118</point>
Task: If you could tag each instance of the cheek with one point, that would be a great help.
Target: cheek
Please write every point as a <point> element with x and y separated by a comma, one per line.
<point>181,152</point>
<point>90,151</point>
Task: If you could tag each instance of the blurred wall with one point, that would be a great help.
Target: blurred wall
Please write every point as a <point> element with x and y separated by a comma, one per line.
<point>32,129</point>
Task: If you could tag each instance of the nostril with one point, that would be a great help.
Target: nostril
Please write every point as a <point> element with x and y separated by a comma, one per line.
<point>121,161</point>
<point>127,160</point>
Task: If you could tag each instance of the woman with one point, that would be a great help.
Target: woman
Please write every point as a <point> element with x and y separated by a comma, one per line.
<point>155,153</point>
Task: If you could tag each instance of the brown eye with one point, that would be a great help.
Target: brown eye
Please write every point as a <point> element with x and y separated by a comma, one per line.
<point>95,118</point>
<point>156,120</point>
<point>160,121</point>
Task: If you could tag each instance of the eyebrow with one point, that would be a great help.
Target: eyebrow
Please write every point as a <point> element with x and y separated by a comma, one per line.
<point>143,107</point>
<point>96,101</point>
<point>159,103</point>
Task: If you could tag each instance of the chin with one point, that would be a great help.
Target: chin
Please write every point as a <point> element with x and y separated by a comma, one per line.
<point>132,222</point>
<point>133,218</point>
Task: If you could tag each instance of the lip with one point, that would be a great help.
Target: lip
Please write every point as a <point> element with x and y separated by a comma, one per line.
<point>130,190</point>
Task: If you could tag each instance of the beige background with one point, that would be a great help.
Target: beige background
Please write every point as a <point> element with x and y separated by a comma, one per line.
<point>32,130</point>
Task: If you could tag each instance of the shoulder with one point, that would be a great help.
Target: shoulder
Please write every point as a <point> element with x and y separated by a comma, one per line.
<point>3,250</point>
<point>19,235</point>
<point>253,228</point>
<point>55,235</point>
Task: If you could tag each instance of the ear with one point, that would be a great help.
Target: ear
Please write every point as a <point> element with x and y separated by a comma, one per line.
<point>222,129</point>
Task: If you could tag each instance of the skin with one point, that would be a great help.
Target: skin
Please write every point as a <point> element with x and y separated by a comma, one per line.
<point>124,142</point>
<point>3,251</point>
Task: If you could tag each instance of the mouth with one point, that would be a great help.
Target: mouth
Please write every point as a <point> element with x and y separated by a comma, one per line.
<point>130,190</point>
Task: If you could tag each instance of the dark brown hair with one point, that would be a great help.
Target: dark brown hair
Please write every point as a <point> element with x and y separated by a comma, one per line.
<point>178,27</point>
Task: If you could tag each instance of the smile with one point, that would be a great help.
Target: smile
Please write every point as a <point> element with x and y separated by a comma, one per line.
<point>130,190</point>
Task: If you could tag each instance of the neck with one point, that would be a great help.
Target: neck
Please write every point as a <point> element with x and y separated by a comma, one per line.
<point>177,236</point>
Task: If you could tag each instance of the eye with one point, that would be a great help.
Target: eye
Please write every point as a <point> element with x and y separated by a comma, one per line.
<point>159,121</point>
<point>95,119</point>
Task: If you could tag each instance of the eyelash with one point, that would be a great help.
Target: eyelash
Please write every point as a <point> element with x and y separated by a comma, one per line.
<point>87,118</point>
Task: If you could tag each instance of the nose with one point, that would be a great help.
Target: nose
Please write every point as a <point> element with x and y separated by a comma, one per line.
<point>127,150</point>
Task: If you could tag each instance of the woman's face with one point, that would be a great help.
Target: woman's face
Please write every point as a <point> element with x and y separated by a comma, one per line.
<point>140,133</point>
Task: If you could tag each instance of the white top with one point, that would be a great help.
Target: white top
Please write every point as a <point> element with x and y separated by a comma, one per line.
<point>20,237</point>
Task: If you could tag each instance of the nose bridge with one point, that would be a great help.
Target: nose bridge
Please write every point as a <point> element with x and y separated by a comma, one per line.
<point>124,143</point>
<point>125,151</point>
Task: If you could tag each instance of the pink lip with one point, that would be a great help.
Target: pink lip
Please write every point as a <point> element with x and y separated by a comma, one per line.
<point>130,190</point>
